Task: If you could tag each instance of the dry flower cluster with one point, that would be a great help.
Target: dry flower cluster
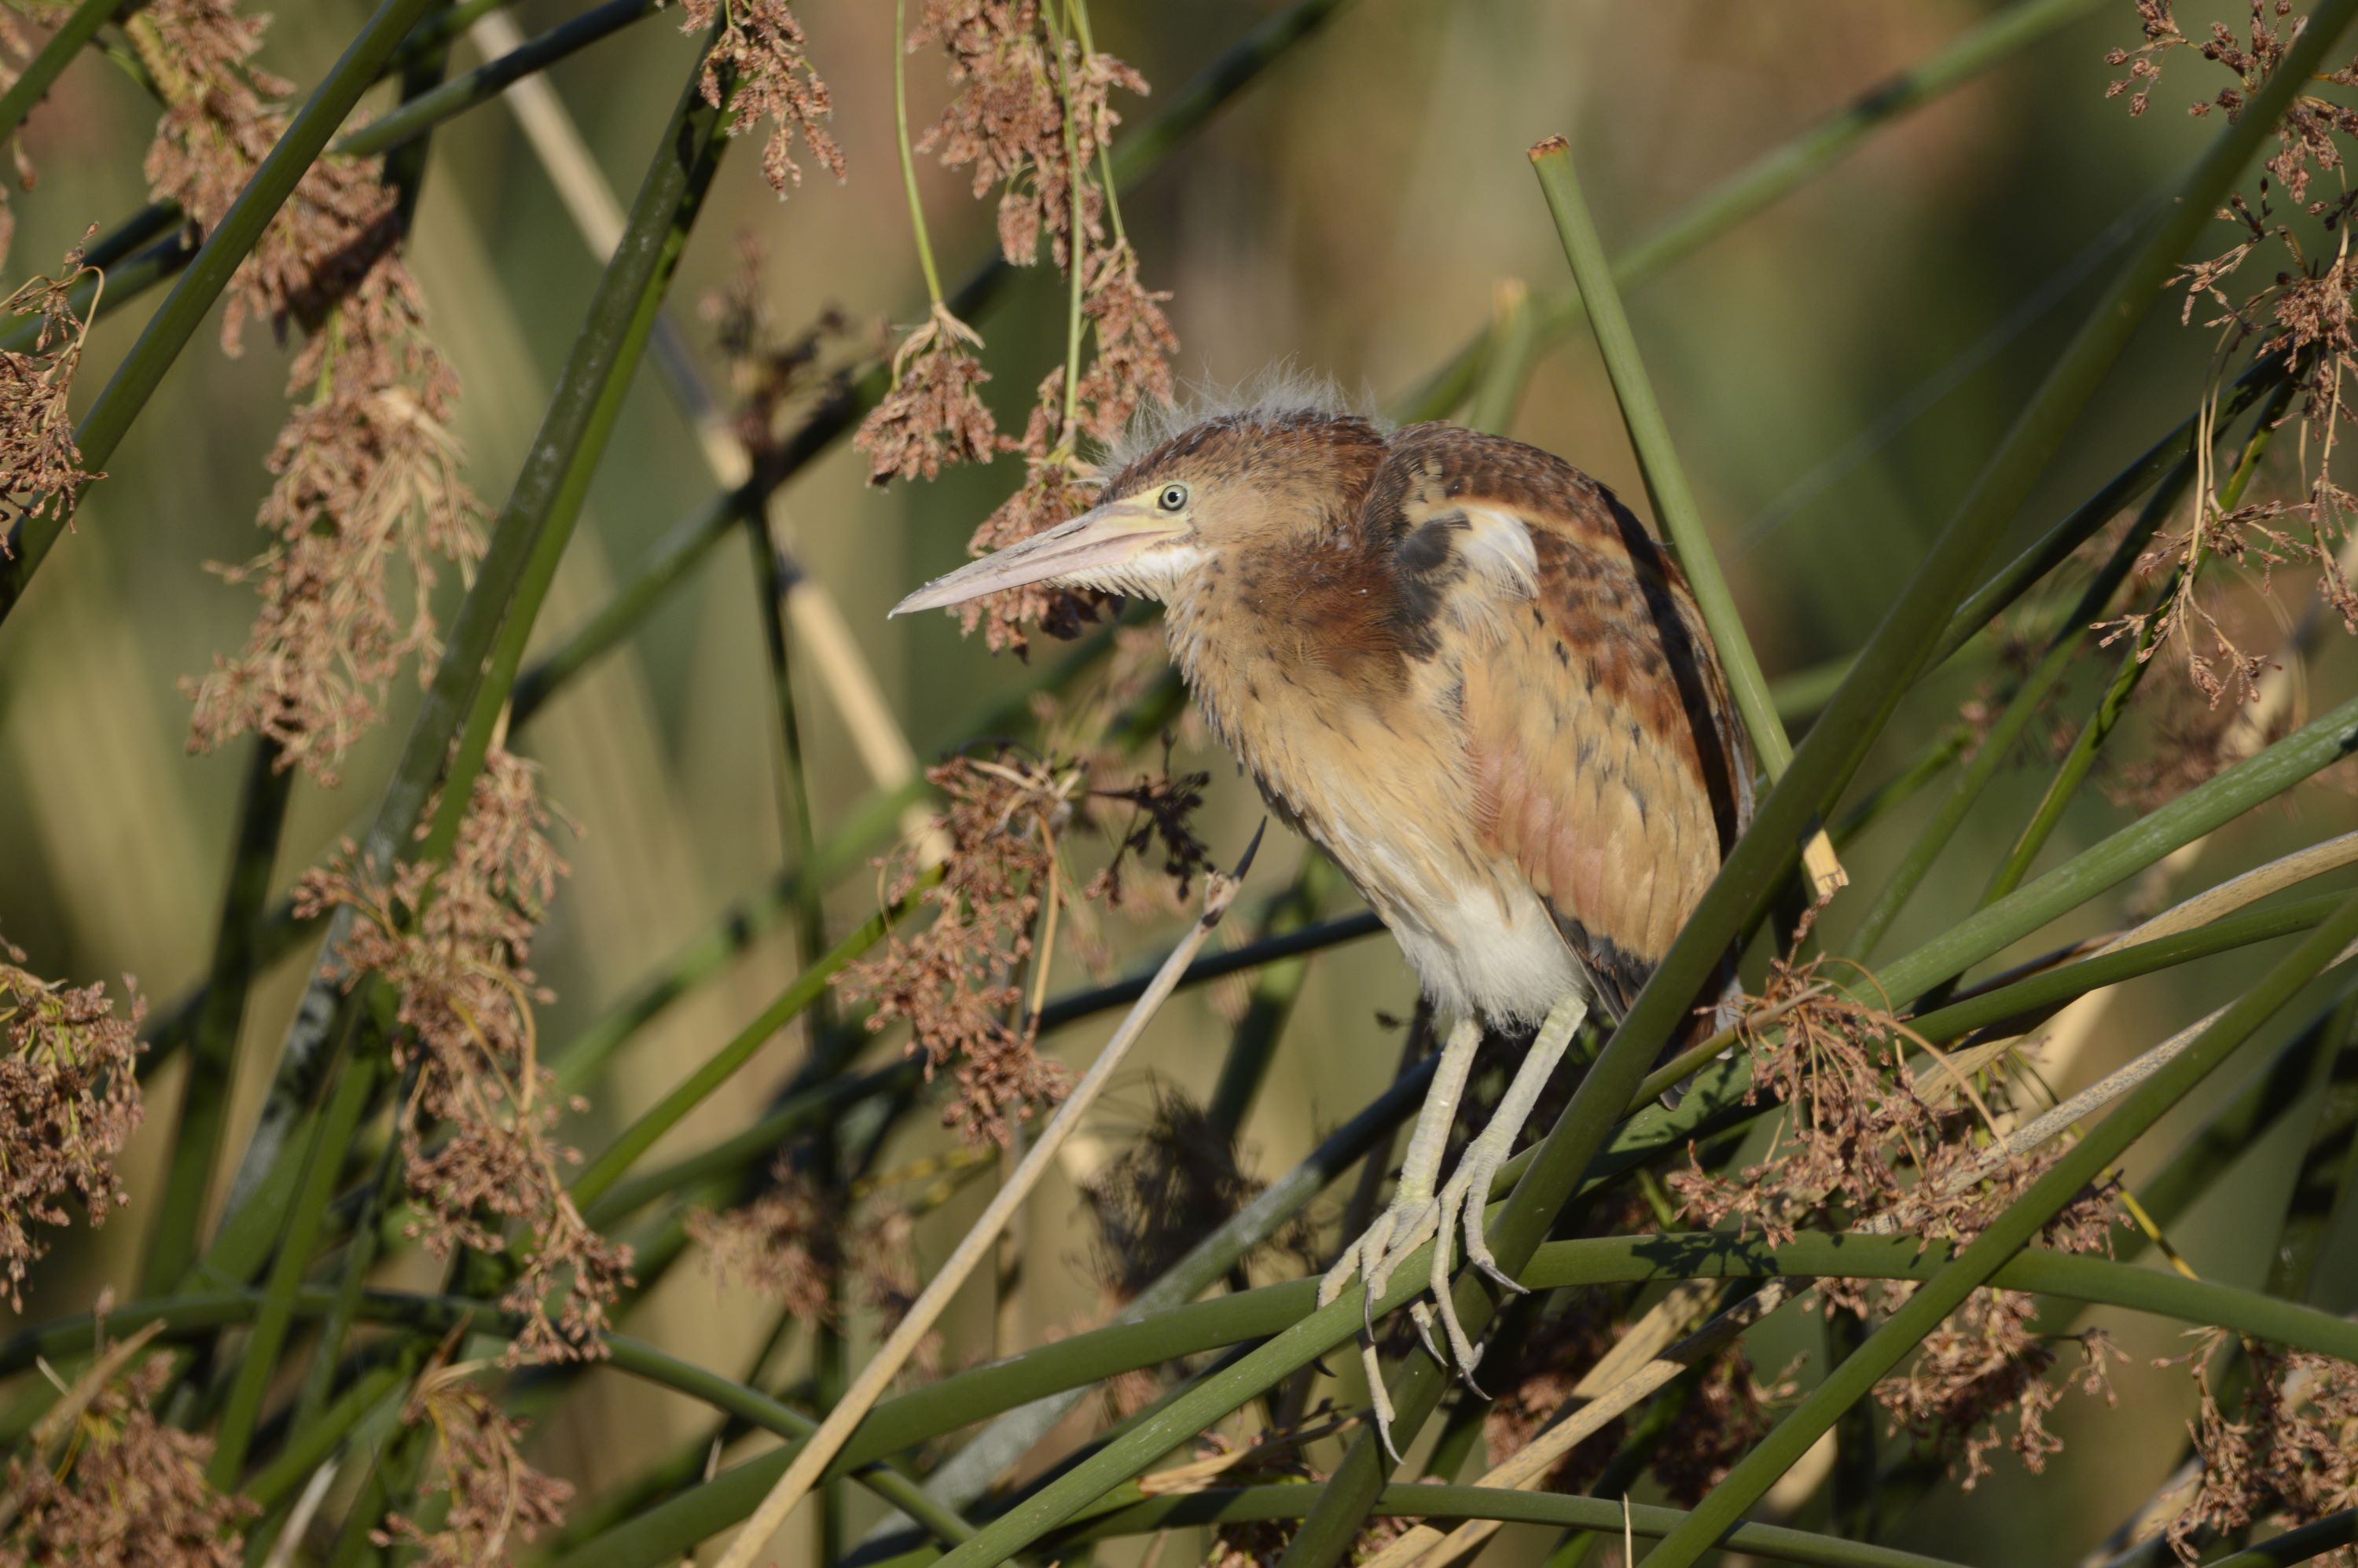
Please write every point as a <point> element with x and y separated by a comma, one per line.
<point>127,1492</point>
<point>956,981</point>
<point>368,479</point>
<point>2301,310</point>
<point>934,415</point>
<point>1183,1178</point>
<point>787,1244</point>
<point>68,1101</point>
<point>769,375</point>
<point>760,65</point>
<point>39,460</point>
<point>2291,1458</point>
<point>495,1497</point>
<point>1001,889</point>
<point>1857,1139</point>
<point>1031,116</point>
<point>454,948</point>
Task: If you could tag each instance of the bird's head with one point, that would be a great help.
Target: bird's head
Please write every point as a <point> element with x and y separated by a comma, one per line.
<point>1260,476</point>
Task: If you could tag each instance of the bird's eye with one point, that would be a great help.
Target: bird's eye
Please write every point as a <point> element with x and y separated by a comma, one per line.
<point>1172,498</point>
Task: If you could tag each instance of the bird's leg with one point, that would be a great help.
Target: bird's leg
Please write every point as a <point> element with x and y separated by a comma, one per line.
<point>1414,1213</point>
<point>1461,1203</point>
<point>1373,1255</point>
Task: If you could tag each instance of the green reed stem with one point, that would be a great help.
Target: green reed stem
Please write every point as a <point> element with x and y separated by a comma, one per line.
<point>203,1117</point>
<point>258,1366</point>
<point>493,77</point>
<point>2053,547</point>
<point>1078,1360</point>
<point>43,69</point>
<point>2008,1233</point>
<point>806,989</point>
<point>1606,1516</point>
<point>2249,1121</point>
<point>664,1531</point>
<point>2026,1000</point>
<point>1775,175</point>
<point>1666,482</point>
<point>2325,1162</point>
<point>2209,804</point>
<point>1995,748</point>
<point>2301,1545</point>
<point>135,381</point>
<point>2077,763</point>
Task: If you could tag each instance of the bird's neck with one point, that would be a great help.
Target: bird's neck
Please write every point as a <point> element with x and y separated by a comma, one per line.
<point>1277,634</point>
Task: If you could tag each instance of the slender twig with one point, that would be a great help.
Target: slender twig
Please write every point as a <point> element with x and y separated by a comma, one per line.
<point>908,156</point>
<point>877,1376</point>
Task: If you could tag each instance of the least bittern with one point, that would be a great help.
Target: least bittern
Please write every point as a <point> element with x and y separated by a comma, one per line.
<point>1476,680</point>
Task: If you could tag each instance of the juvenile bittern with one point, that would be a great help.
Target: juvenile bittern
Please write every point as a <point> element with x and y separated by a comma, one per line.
<point>1470,674</point>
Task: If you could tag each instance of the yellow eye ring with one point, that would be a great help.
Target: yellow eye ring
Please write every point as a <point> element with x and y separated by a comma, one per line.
<point>1172,497</point>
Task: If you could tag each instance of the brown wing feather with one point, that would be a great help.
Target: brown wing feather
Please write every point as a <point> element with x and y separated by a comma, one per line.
<point>1609,765</point>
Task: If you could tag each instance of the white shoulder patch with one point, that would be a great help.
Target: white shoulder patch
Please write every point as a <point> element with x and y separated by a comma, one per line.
<point>1498,544</point>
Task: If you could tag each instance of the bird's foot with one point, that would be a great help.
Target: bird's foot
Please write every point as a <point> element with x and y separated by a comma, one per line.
<point>1396,1235</point>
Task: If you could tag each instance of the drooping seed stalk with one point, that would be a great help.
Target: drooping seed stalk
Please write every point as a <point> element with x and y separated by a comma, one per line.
<point>1997,747</point>
<point>908,155</point>
<point>2074,769</point>
<point>126,393</point>
<point>462,705</point>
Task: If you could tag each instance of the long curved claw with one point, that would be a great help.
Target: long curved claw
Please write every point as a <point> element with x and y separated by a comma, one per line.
<point>1379,1398</point>
<point>1478,1175</point>
<point>1420,1316</point>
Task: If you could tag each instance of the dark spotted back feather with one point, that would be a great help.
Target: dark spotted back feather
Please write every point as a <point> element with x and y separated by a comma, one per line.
<point>1610,764</point>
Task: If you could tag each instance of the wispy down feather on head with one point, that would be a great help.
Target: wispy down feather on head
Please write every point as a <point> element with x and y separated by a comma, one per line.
<point>1281,388</point>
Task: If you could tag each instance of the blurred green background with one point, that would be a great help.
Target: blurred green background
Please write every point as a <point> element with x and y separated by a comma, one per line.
<point>1835,369</point>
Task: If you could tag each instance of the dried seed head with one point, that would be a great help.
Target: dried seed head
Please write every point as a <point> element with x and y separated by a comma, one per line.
<point>2300,308</point>
<point>127,1491</point>
<point>762,46</point>
<point>934,415</point>
<point>955,981</point>
<point>785,1243</point>
<point>40,463</point>
<point>68,1101</point>
<point>368,477</point>
<point>454,946</point>
<point>2291,1459</point>
<point>496,1502</point>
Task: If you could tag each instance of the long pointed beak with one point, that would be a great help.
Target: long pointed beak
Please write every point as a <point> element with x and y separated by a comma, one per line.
<point>1097,544</point>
